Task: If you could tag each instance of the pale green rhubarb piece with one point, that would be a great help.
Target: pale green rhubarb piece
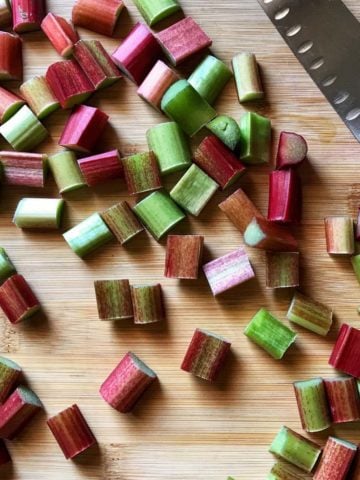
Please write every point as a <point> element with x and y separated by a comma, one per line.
<point>285,471</point>
<point>256,138</point>
<point>66,171</point>
<point>247,77</point>
<point>308,313</point>
<point>39,213</point>
<point>7,268</point>
<point>153,11</point>
<point>39,97</point>
<point>227,130</point>
<point>312,404</point>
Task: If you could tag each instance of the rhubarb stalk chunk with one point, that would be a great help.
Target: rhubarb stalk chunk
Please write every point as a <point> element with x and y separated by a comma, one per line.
<point>99,16</point>
<point>346,352</point>
<point>4,453</point>
<point>336,460</point>
<point>9,104</point>
<point>126,384</point>
<point>206,355</point>
<point>170,146</point>
<point>17,300</point>
<point>183,256</point>
<point>71,431</point>
<point>270,334</point>
<point>113,298</point>
<point>182,40</point>
<point>141,173</point>
<point>159,213</point>
<point>25,169</point>
<point>27,15</point>
<point>153,11</point>
<point>247,77</point>
<point>240,210</point>
<point>285,471</point>
<point>11,57</point>
<point>284,197</point>
<point>339,233</point>
<point>295,449</point>
<point>194,190</point>
<point>147,303</point>
<point>39,97</point>
<point>157,82</point>
<point>66,172</point>
<point>137,54</point>
<point>256,136</point>
<point>10,373</point>
<point>23,131</point>
<point>44,213</point>
<point>6,266</point>
<point>61,34</point>
<point>228,271</point>
<point>344,400</point>
<point>310,314</point>
<point>282,269</point>
<point>312,404</point>
<point>266,235</point>
<point>355,261</point>
<point>292,150</point>
<point>83,129</point>
<point>227,130</point>
<point>88,235</point>
<point>101,168</point>
<point>210,78</point>
<point>122,222</point>
<point>184,105</point>
<point>5,13</point>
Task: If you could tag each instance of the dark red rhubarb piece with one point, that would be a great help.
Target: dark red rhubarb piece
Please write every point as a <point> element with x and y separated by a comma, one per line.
<point>336,460</point>
<point>284,197</point>
<point>292,150</point>
<point>27,15</point>
<point>17,300</point>
<point>101,168</point>
<point>61,34</point>
<point>183,256</point>
<point>11,61</point>
<point>99,16</point>
<point>343,398</point>
<point>265,235</point>
<point>4,454</point>
<point>346,353</point>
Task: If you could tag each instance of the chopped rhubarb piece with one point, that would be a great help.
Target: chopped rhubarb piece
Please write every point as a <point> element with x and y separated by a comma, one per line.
<point>153,11</point>
<point>147,303</point>
<point>312,404</point>
<point>96,63</point>
<point>4,453</point>
<point>141,173</point>
<point>100,16</point>
<point>344,400</point>
<point>270,334</point>
<point>157,82</point>
<point>159,213</point>
<point>194,190</point>
<point>44,213</point>
<point>218,161</point>
<point>336,460</point>
<point>228,271</point>
<point>206,355</point>
<point>169,144</point>
<point>285,197</point>
<point>66,171</point>
<point>240,210</point>
<point>184,105</point>
<point>339,233</point>
<point>27,15</point>
<point>10,373</point>
<point>113,298</point>
<point>292,150</point>
<point>101,168</point>
<point>256,138</point>
<point>83,128</point>
<point>295,449</point>
<point>5,13</point>
<point>9,104</point>
<point>210,78</point>
<point>11,60</point>
<point>346,352</point>
<point>310,314</point>
<point>71,431</point>
<point>285,471</point>
<point>69,83</point>
<point>247,77</point>
<point>17,411</point>
<point>183,256</point>
<point>122,222</point>
<point>126,384</point>
<point>17,300</point>
<point>182,40</point>
<point>227,129</point>
<point>39,96</point>
<point>282,269</point>
<point>265,235</point>
<point>61,34</point>
<point>88,235</point>
<point>355,261</point>
<point>7,269</point>
<point>23,131</point>
<point>137,54</point>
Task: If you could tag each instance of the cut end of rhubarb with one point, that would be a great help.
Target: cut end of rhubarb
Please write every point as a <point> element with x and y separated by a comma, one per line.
<point>292,150</point>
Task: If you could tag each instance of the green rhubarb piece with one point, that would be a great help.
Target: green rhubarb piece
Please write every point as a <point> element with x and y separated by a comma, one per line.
<point>170,146</point>
<point>256,136</point>
<point>10,373</point>
<point>312,315</point>
<point>23,131</point>
<point>183,104</point>
<point>194,190</point>
<point>295,449</point>
<point>355,261</point>
<point>141,173</point>
<point>247,77</point>
<point>66,171</point>
<point>153,11</point>
<point>39,96</point>
<point>270,334</point>
<point>7,268</point>
<point>210,78</point>
<point>39,213</point>
<point>284,471</point>
<point>312,404</point>
<point>159,213</point>
<point>88,235</point>
<point>227,130</point>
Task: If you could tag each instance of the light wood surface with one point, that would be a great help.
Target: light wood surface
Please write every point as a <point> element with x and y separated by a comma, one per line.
<point>184,428</point>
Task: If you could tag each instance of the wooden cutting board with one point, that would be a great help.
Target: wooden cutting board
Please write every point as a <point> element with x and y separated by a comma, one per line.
<point>184,428</point>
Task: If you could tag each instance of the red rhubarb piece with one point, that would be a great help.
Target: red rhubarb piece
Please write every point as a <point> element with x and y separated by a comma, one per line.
<point>25,169</point>
<point>71,432</point>
<point>292,150</point>
<point>125,385</point>
<point>101,168</point>
<point>336,460</point>
<point>265,235</point>
<point>343,398</point>
<point>83,129</point>
<point>4,454</point>
<point>240,210</point>
<point>99,16</point>
<point>138,53</point>
<point>284,197</point>
<point>183,256</point>
<point>17,300</point>
<point>182,40</point>
<point>27,15</point>
<point>11,62</point>
<point>61,33</point>
<point>157,82</point>
<point>346,353</point>
<point>9,104</point>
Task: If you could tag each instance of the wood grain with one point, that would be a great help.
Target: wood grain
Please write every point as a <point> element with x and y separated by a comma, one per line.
<point>184,428</point>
